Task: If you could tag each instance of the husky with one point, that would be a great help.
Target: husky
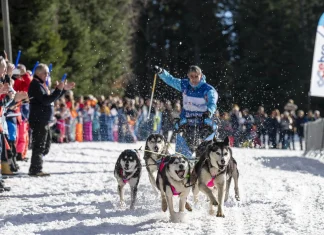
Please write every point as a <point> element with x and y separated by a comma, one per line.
<point>128,169</point>
<point>173,179</point>
<point>155,150</point>
<point>215,164</point>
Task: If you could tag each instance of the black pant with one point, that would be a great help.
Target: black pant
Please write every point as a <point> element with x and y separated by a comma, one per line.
<point>41,143</point>
<point>273,139</point>
<point>291,136</point>
<point>263,133</point>
<point>3,151</point>
<point>12,152</point>
<point>285,143</point>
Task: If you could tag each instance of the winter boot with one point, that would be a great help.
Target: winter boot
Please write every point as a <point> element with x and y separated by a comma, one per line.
<point>6,168</point>
<point>39,174</point>
<point>13,165</point>
<point>19,157</point>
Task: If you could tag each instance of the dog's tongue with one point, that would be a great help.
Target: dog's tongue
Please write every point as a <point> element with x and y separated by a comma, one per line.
<point>180,173</point>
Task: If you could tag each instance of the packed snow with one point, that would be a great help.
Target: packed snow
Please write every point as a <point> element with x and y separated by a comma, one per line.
<point>281,193</point>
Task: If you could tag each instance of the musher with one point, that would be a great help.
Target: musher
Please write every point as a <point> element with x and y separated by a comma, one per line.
<point>199,105</point>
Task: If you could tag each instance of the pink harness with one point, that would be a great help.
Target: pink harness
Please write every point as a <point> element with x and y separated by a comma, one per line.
<point>174,191</point>
<point>211,182</point>
<point>162,165</point>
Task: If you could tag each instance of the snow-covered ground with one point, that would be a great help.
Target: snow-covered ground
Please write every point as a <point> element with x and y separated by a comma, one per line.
<point>281,193</point>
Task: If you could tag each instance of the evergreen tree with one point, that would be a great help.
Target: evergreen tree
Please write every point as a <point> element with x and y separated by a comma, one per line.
<point>273,51</point>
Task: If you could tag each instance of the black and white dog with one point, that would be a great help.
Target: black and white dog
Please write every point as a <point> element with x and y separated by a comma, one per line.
<point>214,171</point>
<point>173,179</point>
<point>156,149</point>
<point>128,169</point>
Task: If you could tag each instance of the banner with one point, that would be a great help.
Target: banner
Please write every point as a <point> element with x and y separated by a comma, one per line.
<point>317,80</point>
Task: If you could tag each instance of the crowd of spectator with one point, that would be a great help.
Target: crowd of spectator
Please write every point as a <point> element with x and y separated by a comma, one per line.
<point>274,129</point>
<point>126,120</point>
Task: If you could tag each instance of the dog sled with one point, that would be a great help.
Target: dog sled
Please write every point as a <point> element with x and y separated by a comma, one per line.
<point>191,132</point>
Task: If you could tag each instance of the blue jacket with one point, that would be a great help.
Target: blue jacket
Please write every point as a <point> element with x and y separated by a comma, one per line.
<point>196,99</point>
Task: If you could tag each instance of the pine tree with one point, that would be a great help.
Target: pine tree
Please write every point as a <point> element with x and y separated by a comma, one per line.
<point>109,22</point>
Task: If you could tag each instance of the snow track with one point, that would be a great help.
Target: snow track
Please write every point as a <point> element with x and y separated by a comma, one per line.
<point>281,193</point>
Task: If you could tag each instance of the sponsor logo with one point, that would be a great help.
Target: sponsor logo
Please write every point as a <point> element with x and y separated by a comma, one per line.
<point>320,71</point>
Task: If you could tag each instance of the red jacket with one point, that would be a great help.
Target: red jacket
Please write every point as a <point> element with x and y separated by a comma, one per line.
<point>22,83</point>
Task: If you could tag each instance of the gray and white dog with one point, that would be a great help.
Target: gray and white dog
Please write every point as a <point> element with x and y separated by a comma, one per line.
<point>214,171</point>
<point>156,149</point>
<point>128,169</point>
<point>172,180</point>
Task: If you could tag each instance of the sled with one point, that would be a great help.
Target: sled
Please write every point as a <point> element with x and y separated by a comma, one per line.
<point>197,126</point>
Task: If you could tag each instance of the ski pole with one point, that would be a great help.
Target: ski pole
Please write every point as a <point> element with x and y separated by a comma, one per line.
<point>152,95</point>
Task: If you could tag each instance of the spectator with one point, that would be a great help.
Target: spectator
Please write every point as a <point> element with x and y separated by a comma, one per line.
<point>290,107</point>
<point>176,111</point>
<point>104,121</point>
<point>310,116</point>
<point>6,103</point>
<point>24,79</point>
<point>41,114</point>
<point>292,131</point>
<point>225,128</point>
<point>235,123</point>
<point>248,122</point>
<point>300,122</point>
<point>273,127</point>
<point>131,115</point>
<point>11,119</point>
<point>87,117</point>
<point>285,128</point>
<point>317,115</point>
<point>260,122</point>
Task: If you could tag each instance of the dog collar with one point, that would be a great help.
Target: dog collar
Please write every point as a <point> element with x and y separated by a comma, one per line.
<point>125,180</point>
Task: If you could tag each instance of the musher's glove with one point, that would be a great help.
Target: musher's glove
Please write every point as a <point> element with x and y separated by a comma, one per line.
<point>157,69</point>
<point>206,114</point>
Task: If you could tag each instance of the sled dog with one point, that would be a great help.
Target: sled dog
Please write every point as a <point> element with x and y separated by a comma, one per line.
<point>213,173</point>
<point>128,170</point>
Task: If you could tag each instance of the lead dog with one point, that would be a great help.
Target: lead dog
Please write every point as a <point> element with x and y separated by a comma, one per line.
<point>128,169</point>
<point>173,179</point>
<point>214,165</point>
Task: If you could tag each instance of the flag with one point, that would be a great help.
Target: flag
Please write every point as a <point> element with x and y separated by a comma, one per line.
<point>317,79</point>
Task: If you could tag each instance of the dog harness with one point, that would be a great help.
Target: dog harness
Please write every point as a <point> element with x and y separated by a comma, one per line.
<point>174,191</point>
<point>162,165</point>
<point>211,182</point>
